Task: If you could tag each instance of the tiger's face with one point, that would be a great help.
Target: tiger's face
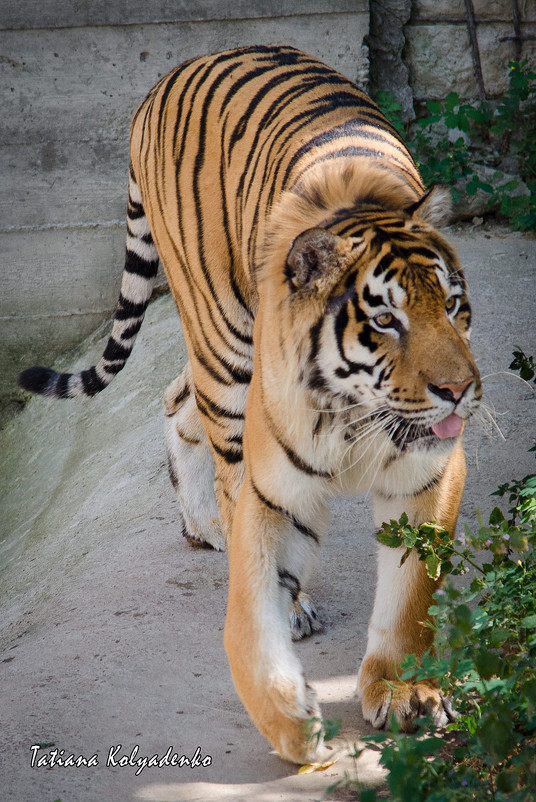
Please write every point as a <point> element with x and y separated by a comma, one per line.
<point>392,335</point>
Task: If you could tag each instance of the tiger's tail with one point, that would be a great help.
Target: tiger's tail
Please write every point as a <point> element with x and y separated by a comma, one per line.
<point>141,265</point>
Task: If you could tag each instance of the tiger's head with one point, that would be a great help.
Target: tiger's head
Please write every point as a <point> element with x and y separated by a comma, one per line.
<point>388,322</point>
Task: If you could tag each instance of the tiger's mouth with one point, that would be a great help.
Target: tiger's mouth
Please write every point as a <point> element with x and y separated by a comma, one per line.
<point>408,433</point>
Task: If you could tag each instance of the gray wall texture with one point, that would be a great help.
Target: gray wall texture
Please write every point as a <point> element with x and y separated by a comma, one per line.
<point>71,76</point>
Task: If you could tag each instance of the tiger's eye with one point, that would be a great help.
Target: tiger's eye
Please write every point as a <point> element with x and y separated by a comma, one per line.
<point>450,303</point>
<point>384,320</point>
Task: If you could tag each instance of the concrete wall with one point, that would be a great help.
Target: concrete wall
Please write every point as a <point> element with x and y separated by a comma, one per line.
<point>71,75</point>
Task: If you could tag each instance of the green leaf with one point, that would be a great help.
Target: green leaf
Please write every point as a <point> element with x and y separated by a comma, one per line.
<point>529,622</point>
<point>507,780</point>
<point>331,728</point>
<point>498,636</point>
<point>510,186</point>
<point>410,538</point>
<point>446,567</point>
<point>434,106</point>
<point>487,664</point>
<point>451,101</point>
<point>471,187</point>
<point>495,735</point>
<point>393,541</point>
<point>518,540</point>
<point>496,517</point>
<point>432,563</point>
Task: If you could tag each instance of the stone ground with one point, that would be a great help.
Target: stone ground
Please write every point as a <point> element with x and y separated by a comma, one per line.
<point>111,624</point>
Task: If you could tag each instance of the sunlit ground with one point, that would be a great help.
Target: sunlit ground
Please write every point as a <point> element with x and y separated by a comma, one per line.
<point>295,788</point>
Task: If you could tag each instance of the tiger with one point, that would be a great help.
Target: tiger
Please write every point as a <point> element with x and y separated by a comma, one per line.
<point>327,327</point>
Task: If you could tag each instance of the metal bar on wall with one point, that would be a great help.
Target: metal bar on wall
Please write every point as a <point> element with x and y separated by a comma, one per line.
<point>477,65</point>
<point>517,30</point>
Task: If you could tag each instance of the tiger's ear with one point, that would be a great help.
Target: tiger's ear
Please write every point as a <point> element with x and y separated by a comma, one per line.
<point>435,206</point>
<point>315,259</point>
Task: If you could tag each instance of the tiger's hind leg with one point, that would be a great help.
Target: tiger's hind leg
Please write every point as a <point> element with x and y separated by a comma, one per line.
<point>303,618</point>
<point>190,463</point>
<point>191,470</point>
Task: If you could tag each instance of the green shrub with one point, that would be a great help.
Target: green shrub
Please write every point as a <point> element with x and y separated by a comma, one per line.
<point>453,136</point>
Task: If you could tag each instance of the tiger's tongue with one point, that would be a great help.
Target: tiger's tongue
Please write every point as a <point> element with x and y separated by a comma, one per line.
<point>449,427</point>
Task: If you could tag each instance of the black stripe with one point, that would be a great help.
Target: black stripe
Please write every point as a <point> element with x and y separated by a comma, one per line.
<point>216,408</point>
<point>91,381</point>
<point>204,410</point>
<point>184,393</point>
<point>232,257</point>
<point>62,386</point>
<point>353,367</point>
<point>384,264</point>
<point>127,309</point>
<point>210,370</point>
<point>135,210</point>
<point>390,274</point>
<point>290,583</point>
<point>372,300</point>
<point>316,379</point>
<point>173,78</point>
<point>304,530</point>
<point>315,338</point>
<point>129,332</point>
<point>422,251</point>
<point>191,441</point>
<point>140,267</point>
<point>378,382</point>
<point>179,398</point>
<point>230,455</point>
<point>341,322</point>
<point>365,338</point>
<point>172,473</point>
<point>115,351</point>
<point>113,368</point>
<point>238,375</point>
<point>300,463</point>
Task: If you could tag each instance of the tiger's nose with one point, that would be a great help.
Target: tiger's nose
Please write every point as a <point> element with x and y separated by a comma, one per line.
<point>451,391</point>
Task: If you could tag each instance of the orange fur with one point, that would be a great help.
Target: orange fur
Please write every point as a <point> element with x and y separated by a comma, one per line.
<point>327,327</point>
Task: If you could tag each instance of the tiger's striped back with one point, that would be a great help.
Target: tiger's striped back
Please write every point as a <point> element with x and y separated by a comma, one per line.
<point>225,136</point>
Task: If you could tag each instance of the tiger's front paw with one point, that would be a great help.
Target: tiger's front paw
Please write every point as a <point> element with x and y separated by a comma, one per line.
<point>382,699</point>
<point>280,702</point>
<point>292,720</point>
<point>303,618</point>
